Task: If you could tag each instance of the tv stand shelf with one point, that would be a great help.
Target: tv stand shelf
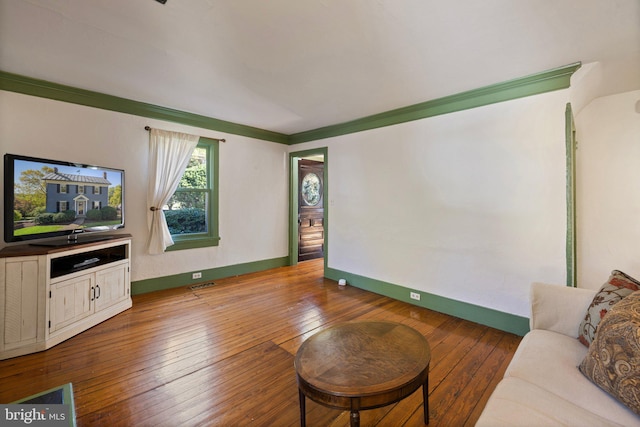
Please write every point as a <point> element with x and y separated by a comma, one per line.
<point>50,293</point>
<point>68,264</point>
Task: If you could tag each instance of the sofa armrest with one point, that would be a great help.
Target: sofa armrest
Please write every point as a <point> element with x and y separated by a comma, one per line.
<point>559,308</point>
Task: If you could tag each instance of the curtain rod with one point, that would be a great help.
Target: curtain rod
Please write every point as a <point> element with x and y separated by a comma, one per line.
<point>215,139</point>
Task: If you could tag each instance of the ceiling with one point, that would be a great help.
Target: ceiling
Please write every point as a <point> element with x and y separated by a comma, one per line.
<point>290,66</point>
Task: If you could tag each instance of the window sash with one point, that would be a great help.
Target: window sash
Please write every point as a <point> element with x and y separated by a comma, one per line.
<point>210,237</point>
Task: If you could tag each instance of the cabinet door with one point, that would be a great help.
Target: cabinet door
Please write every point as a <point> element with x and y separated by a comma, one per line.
<point>112,286</point>
<point>20,319</point>
<point>71,300</point>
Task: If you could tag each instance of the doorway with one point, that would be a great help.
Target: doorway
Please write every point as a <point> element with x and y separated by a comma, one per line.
<point>310,209</point>
<point>308,201</point>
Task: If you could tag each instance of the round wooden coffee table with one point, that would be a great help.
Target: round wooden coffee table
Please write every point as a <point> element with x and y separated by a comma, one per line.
<point>363,365</point>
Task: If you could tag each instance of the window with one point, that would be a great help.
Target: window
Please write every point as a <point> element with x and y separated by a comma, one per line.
<point>80,189</point>
<point>192,211</point>
<point>97,205</point>
<point>63,206</point>
<point>96,189</point>
<point>63,188</point>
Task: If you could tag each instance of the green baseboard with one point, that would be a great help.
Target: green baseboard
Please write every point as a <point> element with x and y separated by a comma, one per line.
<point>485,316</point>
<point>184,279</point>
<point>496,319</point>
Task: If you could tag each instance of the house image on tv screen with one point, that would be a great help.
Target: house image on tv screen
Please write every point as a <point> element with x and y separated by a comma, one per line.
<point>78,193</point>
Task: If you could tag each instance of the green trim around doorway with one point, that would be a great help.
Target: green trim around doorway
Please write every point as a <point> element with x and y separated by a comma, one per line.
<point>293,201</point>
<point>185,279</point>
<point>571,146</point>
<point>485,316</point>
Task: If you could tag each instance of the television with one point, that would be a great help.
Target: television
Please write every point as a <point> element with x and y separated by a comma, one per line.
<point>46,198</point>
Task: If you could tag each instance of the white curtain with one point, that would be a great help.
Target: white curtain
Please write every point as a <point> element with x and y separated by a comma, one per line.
<point>169,154</point>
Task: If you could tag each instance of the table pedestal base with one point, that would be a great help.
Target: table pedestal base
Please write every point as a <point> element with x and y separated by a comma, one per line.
<point>354,416</point>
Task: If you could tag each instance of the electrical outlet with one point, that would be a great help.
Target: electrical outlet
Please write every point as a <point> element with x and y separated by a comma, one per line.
<point>414,295</point>
<point>196,275</point>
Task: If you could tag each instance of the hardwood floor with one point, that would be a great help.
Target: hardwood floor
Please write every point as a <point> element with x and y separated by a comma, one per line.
<point>223,355</point>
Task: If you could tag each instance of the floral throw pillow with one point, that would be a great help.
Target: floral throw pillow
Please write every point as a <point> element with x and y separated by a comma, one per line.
<point>617,287</point>
<point>613,359</point>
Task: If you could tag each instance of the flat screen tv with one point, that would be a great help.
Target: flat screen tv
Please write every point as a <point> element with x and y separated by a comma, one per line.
<point>48,198</point>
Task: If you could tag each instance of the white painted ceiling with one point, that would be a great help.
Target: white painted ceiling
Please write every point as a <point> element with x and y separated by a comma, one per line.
<point>296,65</point>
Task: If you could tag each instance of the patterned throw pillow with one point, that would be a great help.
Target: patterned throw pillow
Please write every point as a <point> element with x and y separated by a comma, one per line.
<point>613,359</point>
<point>617,287</point>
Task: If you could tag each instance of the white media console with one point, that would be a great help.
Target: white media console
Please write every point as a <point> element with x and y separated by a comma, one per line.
<point>51,293</point>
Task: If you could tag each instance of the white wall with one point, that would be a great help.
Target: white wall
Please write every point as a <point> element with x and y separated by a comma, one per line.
<point>469,206</point>
<point>253,177</point>
<point>608,188</point>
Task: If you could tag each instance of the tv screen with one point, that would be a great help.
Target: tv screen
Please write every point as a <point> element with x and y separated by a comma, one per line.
<point>47,198</point>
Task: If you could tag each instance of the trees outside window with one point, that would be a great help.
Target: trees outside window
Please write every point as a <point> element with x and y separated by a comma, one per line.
<point>192,211</point>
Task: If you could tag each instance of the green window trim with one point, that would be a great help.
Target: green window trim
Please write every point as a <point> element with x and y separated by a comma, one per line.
<point>211,237</point>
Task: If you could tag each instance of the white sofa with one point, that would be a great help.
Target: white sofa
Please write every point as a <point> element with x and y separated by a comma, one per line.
<point>542,385</point>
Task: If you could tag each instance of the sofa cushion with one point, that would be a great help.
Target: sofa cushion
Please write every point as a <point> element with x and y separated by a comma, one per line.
<point>617,287</point>
<point>516,402</point>
<point>613,359</point>
<point>558,308</point>
<point>550,361</point>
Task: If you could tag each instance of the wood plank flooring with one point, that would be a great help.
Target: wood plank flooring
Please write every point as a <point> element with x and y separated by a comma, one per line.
<point>223,356</point>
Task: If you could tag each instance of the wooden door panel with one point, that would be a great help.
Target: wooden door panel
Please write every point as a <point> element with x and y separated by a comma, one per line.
<point>310,210</point>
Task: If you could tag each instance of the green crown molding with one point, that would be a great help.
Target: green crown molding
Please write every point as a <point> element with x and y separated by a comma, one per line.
<point>547,81</point>
<point>485,316</point>
<point>44,89</point>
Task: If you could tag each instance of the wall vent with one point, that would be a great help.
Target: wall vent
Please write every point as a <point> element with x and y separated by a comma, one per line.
<point>201,286</point>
